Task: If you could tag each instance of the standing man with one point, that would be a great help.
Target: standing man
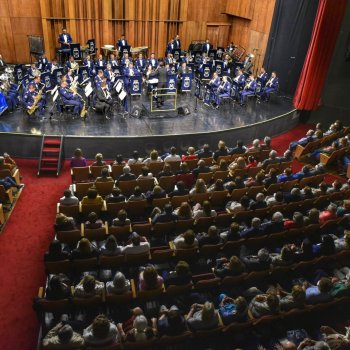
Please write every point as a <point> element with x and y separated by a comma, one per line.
<point>206,47</point>
<point>177,42</point>
<point>122,42</point>
<point>65,39</point>
<point>162,81</point>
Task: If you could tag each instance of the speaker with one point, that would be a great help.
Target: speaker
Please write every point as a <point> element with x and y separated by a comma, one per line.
<point>137,112</point>
<point>184,110</point>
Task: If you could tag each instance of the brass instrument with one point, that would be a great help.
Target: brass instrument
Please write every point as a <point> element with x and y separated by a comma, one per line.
<point>74,65</point>
<point>73,88</point>
<point>37,98</point>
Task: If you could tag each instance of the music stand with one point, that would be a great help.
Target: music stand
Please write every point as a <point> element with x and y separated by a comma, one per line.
<point>75,51</point>
<point>91,43</point>
<point>197,57</point>
<point>220,52</point>
<point>122,94</point>
<point>125,49</point>
<point>212,54</point>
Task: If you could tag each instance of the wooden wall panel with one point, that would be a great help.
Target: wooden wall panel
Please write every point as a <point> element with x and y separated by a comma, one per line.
<point>240,8</point>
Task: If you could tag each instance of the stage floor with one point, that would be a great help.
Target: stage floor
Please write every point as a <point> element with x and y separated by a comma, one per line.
<point>205,119</point>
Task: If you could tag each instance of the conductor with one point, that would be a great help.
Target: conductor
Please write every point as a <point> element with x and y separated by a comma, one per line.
<point>162,81</point>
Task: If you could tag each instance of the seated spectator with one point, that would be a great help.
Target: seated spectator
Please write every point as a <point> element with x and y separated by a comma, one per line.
<point>185,176</point>
<point>322,189</point>
<point>333,339</point>
<point>263,305</point>
<point>267,143</point>
<point>329,214</point>
<point>275,199</point>
<point>93,221</point>
<point>297,222</point>
<point>232,267</point>
<point>304,172</point>
<point>202,317</point>
<point>92,197</point>
<point>149,279</point>
<point>167,215</point>
<point>58,288</point>
<point>137,195</point>
<point>294,195</point>
<point>167,171</point>
<point>293,300</point>
<point>119,160</point>
<point>307,193</point>
<point>135,158</point>
<point>104,176</point>
<point>62,336</point>
<point>110,247</point>
<point>254,230</point>
<point>344,210</point>
<point>258,262</point>
<point>342,243</point>
<point>287,175</point>
<point>180,276</point>
<point>303,141</point>
<point>191,154</point>
<point>140,331</point>
<point>218,185</point>
<point>327,150</point>
<point>232,310</point>
<point>305,252</point>
<point>239,149</point>
<point>153,158</point>
<point>78,160</point>
<point>55,252</point>
<point>99,160</point>
<point>64,223</point>
<point>221,151</point>
<point>202,168</point>
<point>179,190</point>
<point>255,147</point>
<point>186,240</point>
<point>275,225</point>
<point>232,234</point>
<point>199,187</point>
<point>211,237</point>
<point>184,212</point>
<point>68,198</point>
<point>136,246</point>
<point>222,166</point>
<point>8,182</point>
<point>203,211</point>
<point>88,287</point>
<point>259,202</point>
<point>172,157</point>
<point>101,332</point>
<point>238,163</point>
<point>242,205</point>
<point>85,250</point>
<point>171,322</point>
<point>252,162</point>
<point>119,285</point>
<point>157,192</point>
<point>116,196</point>
<point>121,219</point>
<point>145,174</point>
<point>285,258</point>
<point>273,159</point>
<point>257,181</point>
<point>205,152</point>
<point>314,216</point>
<point>127,174</point>
<point>6,162</point>
<point>319,293</point>
<point>287,157</point>
<point>327,246</point>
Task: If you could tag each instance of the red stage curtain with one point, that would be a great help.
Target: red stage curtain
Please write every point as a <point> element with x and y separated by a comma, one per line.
<point>324,35</point>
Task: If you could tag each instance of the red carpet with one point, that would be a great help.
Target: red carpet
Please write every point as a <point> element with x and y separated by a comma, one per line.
<point>26,238</point>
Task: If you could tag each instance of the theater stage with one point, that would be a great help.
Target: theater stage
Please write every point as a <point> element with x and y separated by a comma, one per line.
<point>22,136</point>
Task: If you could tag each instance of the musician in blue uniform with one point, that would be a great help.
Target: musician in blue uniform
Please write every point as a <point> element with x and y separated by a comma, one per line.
<point>33,71</point>
<point>169,59</point>
<point>153,61</point>
<point>65,39</point>
<point>170,47</point>
<point>36,82</point>
<point>187,58</point>
<point>100,63</point>
<point>249,89</point>
<point>122,42</point>
<point>240,79</point>
<point>214,84</point>
<point>263,77</point>
<point>126,60</point>
<point>113,61</point>
<point>129,71</point>
<point>43,62</point>
<point>10,93</point>
<point>204,60</point>
<point>51,66</point>
<point>177,42</point>
<point>69,77</point>
<point>72,64</point>
<point>206,47</point>
<point>99,79</point>
<point>29,99</point>
<point>227,61</point>
<point>110,76</point>
<point>141,64</point>
<point>271,86</point>
<point>223,90</point>
<point>70,98</point>
<point>88,62</point>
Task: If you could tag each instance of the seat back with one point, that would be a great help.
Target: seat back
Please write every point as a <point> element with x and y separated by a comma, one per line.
<point>183,225</point>
<point>203,223</point>
<point>218,198</point>
<point>174,290</point>
<point>69,237</point>
<point>81,188</point>
<point>127,187</point>
<point>136,169</point>
<point>177,200</point>
<point>199,197</point>
<point>111,262</point>
<point>161,229</point>
<point>118,299</point>
<point>146,184</point>
<point>104,188</point>
<point>113,208</point>
<point>83,265</point>
<point>160,202</point>
<point>167,183</point>
<point>136,209</point>
<point>95,234</point>
<point>117,170</point>
<point>121,233</point>
<point>187,254</point>
<point>207,177</point>
<point>175,165</point>
<point>210,250</point>
<point>56,267</point>
<point>220,174</point>
<point>86,209</point>
<point>81,174</point>
<point>95,170</point>
<point>69,210</point>
<point>160,256</point>
<point>156,167</point>
<point>137,259</point>
<point>207,285</point>
<point>149,295</point>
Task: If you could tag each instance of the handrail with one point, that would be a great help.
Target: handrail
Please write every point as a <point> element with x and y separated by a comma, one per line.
<point>41,154</point>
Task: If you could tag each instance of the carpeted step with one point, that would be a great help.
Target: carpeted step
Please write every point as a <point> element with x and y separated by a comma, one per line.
<point>51,150</point>
<point>49,160</point>
<point>52,142</point>
<point>48,169</point>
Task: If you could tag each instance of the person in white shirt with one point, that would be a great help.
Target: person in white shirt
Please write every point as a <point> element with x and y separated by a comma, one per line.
<point>172,157</point>
<point>136,246</point>
<point>135,158</point>
<point>68,198</point>
<point>186,240</point>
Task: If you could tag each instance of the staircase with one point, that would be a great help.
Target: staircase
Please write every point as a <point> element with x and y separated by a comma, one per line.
<point>50,161</point>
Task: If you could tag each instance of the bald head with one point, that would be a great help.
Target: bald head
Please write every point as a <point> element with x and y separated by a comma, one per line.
<point>288,345</point>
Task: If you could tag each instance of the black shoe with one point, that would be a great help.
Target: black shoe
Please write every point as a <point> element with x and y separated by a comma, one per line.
<point>20,186</point>
<point>107,117</point>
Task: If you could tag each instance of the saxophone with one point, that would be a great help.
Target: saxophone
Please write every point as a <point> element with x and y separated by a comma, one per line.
<point>37,98</point>
<point>84,110</point>
<point>73,88</point>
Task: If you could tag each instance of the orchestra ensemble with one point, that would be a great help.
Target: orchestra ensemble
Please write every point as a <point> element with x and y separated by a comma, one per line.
<point>219,76</point>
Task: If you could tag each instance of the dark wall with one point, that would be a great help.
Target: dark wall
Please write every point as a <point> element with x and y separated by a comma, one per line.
<point>289,39</point>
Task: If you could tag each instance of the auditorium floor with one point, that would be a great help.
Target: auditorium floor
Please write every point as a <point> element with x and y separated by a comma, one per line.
<point>205,119</point>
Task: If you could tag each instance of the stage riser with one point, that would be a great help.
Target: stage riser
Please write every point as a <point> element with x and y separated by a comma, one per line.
<point>28,146</point>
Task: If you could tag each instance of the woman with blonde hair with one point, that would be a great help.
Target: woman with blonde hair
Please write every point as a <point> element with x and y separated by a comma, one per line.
<point>184,211</point>
<point>153,158</point>
<point>199,187</point>
<point>202,316</point>
<point>149,279</point>
<point>84,250</point>
<point>98,160</point>
<point>238,163</point>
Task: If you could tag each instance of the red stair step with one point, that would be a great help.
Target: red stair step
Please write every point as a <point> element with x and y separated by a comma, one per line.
<point>48,169</point>
<point>49,160</point>
<point>55,142</point>
<point>51,150</point>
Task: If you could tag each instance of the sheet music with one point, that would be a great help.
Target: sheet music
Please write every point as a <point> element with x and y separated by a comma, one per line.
<point>54,90</point>
<point>119,86</point>
<point>55,97</point>
<point>88,90</point>
<point>122,95</point>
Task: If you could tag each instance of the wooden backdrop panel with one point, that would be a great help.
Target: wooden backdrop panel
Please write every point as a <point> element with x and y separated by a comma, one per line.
<point>240,8</point>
